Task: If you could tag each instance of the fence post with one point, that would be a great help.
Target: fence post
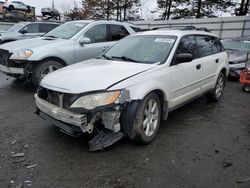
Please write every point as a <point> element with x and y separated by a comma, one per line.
<point>221,28</point>
<point>243,29</point>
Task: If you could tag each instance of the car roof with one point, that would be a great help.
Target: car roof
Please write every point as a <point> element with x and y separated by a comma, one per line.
<point>103,22</point>
<point>178,33</point>
<point>41,22</point>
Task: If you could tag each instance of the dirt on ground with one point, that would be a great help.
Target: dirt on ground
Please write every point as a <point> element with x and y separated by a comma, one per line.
<point>202,144</point>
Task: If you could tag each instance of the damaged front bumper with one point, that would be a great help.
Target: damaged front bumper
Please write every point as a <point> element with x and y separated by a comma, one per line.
<point>11,70</point>
<point>72,122</point>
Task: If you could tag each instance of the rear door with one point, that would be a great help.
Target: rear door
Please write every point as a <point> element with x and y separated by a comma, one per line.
<point>210,57</point>
<point>185,77</point>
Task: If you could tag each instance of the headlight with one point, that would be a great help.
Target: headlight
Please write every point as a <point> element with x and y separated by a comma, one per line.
<point>21,55</point>
<point>95,100</point>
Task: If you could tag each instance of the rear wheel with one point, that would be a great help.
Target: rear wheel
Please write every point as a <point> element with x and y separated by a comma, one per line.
<point>44,68</point>
<point>147,121</point>
<point>215,95</point>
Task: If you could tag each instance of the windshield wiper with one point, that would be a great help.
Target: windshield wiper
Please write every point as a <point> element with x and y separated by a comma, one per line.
<point>125,59</point>
<point>51,36</point>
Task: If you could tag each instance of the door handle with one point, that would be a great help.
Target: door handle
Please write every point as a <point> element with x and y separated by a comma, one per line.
<point>217,61</point>
<point>198,66</point>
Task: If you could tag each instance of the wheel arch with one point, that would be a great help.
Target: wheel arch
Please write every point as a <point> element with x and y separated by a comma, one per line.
<point>53,58</point>
<point>163,100</point>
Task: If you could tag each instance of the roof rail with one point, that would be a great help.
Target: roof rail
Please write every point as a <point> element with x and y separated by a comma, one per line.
<point>183,28</point>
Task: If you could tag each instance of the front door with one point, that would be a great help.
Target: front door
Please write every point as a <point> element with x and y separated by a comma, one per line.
<point>185,77</point>
<point>98,35</point>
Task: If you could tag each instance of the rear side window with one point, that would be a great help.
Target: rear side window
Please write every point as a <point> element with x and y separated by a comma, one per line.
<point>44,28</point>
<point>97,33</point>
<point>117,32</point>
<point>187,45</point>
<point>208,45</point>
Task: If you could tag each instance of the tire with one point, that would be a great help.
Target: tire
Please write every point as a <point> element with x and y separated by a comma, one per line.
<point>146,124</point>
<point>11,7</point>
<point>246,88</point>
<point>216,93</point>
<point>42,69</point>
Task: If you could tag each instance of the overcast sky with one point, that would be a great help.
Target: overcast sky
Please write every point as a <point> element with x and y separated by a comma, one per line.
<point>62,5</point>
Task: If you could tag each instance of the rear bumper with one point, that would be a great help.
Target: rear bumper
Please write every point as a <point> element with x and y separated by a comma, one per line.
<point>11,70</point>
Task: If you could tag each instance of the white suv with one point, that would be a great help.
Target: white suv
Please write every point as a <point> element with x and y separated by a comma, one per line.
<point>130,88</point>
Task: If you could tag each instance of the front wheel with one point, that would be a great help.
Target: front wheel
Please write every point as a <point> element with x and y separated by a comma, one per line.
<point>147,119</point>
<point>216,93</point>
<point>44,68</point>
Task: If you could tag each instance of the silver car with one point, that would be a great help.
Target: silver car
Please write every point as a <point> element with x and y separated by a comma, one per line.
<point>69,43</point>
<point>26,30</point>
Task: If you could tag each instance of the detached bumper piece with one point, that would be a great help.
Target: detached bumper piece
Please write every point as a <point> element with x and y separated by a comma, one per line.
<point>104,139</point>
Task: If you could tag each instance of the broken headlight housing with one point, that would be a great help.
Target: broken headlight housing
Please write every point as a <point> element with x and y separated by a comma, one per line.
<point>95,100</point>
<point>21,55</point>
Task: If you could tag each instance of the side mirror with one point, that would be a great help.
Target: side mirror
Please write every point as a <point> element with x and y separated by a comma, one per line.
<point>84,40</point>
<point>24,31</point>
<point>183,58</point>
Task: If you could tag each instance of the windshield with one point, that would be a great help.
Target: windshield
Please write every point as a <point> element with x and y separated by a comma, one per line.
<point>15,27</point>
<point>142,49</point>
<point>236,44</point>
<point>66,30</point>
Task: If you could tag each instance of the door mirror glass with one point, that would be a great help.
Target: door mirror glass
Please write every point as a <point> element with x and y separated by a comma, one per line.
<point>84,40</point>
<point>183,58</point>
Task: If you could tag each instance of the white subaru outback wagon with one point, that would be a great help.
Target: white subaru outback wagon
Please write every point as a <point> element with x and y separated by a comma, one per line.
<point>130,88</point>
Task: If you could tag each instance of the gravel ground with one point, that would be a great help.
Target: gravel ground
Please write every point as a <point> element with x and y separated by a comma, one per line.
<point>201,145</point>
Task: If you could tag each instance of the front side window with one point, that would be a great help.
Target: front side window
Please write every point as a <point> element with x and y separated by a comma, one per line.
<point>97,33</point>
<point>67,30</point>
<point>188,45</point>
<point>142,49</point>
<point>32,28</point>
<point>117,32</point>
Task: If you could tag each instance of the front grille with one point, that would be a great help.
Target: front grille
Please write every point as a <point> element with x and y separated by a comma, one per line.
<point>4,57</point>
<point>63,100</point>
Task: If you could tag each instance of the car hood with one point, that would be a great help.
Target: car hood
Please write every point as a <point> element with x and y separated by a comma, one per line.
<point>92,75</point>
<point>29,43</point>
<point>237,55</point>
